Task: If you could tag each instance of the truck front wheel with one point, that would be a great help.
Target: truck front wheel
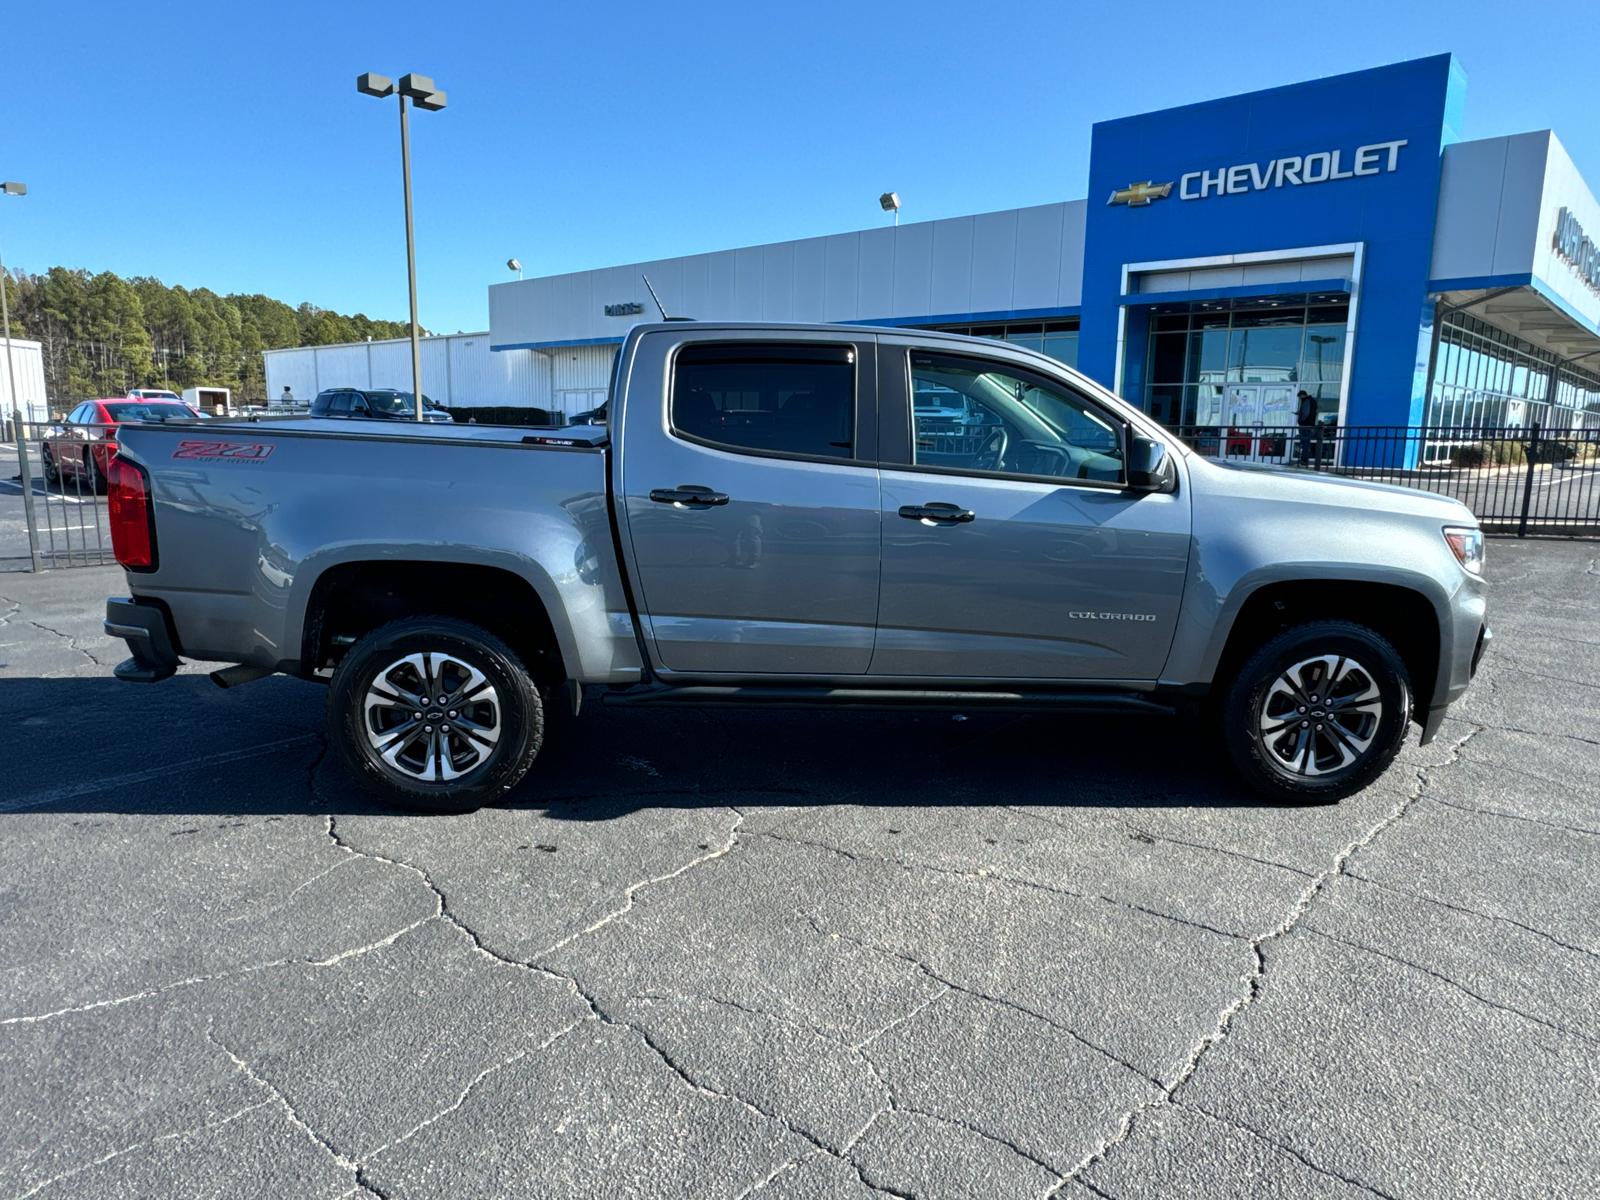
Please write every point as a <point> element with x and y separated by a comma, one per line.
<point>1317,713</point>
<point>434,715</point>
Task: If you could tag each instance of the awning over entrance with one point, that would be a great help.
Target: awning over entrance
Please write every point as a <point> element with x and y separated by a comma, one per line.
<point>1532,315</point>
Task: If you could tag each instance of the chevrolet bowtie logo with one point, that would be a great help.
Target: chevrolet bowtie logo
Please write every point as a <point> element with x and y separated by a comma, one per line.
<point>1139,195</point>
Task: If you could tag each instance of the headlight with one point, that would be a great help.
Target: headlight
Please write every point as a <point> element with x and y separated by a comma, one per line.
<point>1466,543</point>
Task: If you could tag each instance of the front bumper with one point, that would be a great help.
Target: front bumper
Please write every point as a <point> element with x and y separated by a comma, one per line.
<point>146,629</point>
<point>1435,715</point>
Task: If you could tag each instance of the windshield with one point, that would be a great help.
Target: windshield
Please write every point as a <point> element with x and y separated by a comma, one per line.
<point>398,403</point>
<point>149,410</point>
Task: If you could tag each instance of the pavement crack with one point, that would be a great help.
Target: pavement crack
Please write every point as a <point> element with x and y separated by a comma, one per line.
<point>633,889</point>
<point>1225,1019</point>
<point>1511,816</point>
<point>471,1087</point>
<point>1473,912</point>
<point>1297,1155</point>
<point>1455,983</point>
<point>295,1119</point>
<point>976,994</point>
<point>984,873</point>
<point>165,1137</point>
<point>72,642</point>
<point>986,1136</point>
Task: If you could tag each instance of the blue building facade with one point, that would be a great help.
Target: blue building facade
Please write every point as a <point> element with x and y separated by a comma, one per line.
<point>1340,175</point>
<point>1335,236</point>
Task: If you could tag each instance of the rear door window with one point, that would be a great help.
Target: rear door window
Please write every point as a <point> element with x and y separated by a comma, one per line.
<point>793,398</point>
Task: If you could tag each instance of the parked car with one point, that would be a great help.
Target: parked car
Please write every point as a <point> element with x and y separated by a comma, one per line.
<point>81,446</point>
<point>761,523</point>
<point>375,404</point>
<point>152,394</point>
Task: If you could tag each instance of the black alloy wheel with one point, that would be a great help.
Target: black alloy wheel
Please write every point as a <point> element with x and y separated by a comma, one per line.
<point>1317,713</point>
<point>52,473</point>
<point>435,715</point>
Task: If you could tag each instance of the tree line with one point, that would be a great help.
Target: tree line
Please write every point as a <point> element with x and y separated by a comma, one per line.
<point>103,334</point>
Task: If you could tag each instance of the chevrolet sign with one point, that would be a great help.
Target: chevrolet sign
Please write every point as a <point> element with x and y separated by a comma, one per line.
<point>1139,195</point>
<point>630,309</point>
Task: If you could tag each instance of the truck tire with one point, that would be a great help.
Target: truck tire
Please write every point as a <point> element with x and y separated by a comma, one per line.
<point>434,715</point>
<point>1317,713</point>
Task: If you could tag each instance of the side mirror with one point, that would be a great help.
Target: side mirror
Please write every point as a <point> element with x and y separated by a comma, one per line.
<point>1150,467</point>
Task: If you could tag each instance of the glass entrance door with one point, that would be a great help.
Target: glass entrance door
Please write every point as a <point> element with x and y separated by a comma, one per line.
<point>1260,419</point>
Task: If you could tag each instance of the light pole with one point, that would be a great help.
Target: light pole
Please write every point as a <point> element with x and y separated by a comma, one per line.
<point>890,202</point>
<point>424,95</point>
<point>10,189</point>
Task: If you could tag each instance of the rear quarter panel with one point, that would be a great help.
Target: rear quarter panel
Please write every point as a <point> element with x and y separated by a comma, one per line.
<point>242,539</point>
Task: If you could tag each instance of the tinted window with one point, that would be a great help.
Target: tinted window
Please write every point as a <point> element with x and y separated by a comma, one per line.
<point>974,415</point>
<point>786,399</point>
<point>79,415</point>
<point>339,404</point>
<point>149,410</point>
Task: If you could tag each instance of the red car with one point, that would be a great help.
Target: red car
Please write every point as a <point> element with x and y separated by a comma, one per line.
<point>81,446</point>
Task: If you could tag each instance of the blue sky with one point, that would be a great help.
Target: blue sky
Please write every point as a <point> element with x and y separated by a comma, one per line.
<point>224,145</point>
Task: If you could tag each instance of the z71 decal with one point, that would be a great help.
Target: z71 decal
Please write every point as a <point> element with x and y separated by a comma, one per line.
<point>248,452</point>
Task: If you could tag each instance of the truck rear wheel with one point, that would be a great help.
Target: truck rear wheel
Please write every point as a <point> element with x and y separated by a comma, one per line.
<point>434,715</point>
<point>1317,713</point>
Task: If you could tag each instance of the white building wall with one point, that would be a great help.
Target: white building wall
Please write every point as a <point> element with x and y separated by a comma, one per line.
<point>1022,260</point>
<point>27,368</point>
<point>459,371</point>
<point>1499,200</point>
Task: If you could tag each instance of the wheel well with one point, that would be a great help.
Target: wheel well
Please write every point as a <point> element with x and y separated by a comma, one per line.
<point>353,599</point>
<point>1401,616</point>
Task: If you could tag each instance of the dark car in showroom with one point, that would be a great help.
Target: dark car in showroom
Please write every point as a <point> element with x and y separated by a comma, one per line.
<point>376,404</point>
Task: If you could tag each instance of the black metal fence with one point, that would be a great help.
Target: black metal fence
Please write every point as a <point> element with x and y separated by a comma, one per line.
<point>61,481</point>
<point>1515,480</point>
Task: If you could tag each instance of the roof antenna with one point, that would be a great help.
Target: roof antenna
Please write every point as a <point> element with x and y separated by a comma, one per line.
<point>657,299</point>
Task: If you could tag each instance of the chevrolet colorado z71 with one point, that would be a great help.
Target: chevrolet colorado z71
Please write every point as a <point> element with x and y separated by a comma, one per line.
<point>797,516</point>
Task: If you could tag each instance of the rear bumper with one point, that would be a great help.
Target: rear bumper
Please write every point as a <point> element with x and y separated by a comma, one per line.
<point>146,629</point>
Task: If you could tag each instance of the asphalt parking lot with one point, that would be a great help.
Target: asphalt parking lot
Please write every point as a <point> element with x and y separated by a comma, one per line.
<point>796,955</point>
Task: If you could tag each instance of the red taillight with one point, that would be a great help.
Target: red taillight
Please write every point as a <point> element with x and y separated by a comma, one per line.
<point>133,529</point>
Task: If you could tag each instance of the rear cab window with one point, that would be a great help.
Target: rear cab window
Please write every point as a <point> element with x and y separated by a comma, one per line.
<point>790,399</point>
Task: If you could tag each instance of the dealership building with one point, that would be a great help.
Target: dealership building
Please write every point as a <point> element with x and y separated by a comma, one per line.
<point>1334,235</point>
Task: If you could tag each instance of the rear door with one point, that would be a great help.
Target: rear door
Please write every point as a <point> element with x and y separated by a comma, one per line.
<point>750,493</point>
<point>1011,547</point>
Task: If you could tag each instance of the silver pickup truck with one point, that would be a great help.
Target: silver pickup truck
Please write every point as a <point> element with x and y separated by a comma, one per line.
<point>795,515</point>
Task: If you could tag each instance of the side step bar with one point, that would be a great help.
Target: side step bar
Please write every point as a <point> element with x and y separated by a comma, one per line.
<point>923,700</point>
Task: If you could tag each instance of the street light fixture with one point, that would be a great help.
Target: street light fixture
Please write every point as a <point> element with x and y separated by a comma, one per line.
<point>421,92</point>
<point>513,265</point>
<point>890,202</point>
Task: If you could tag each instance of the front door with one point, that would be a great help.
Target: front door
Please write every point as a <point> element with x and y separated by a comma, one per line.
<point>1260,420</point>
<point>752,506</point>
<point>1011,548</point>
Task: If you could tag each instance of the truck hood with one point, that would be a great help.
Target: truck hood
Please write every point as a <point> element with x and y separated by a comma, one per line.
<point>1262,481</point>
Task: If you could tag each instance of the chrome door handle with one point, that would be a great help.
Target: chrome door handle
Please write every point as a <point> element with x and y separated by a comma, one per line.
<point>689,496</point>
<point>937,514</point>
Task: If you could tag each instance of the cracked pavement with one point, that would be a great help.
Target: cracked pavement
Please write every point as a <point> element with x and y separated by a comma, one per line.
<point>795,955</point>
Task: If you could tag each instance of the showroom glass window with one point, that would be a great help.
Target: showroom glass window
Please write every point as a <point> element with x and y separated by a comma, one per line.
<point>774,398</point>
<point>974,415</point>
<point>1058,339</point>
<point>1197,350</point>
